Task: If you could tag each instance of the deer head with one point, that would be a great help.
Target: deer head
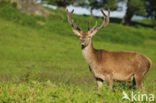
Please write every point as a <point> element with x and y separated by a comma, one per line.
<point>85,36</point>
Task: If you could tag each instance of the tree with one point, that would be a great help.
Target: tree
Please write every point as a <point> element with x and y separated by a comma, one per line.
<point>94,4</point>
<point>151,10</point>
<point>111,4</point>
<point>97,4</point>
<point>134,7</point>
<point>61,3</point>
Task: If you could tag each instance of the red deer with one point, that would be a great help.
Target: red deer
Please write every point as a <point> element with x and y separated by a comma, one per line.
<point>110,65</point>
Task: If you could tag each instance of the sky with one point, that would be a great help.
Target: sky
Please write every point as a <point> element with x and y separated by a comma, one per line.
<point>119,13</point>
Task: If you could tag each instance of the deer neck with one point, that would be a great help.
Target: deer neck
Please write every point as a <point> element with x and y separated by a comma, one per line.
<point>88,53</point>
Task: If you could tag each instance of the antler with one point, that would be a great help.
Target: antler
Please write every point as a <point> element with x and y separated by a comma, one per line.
<point>71,22</point>
<point>105,17</point>
<point>95,26</point>
<point>88,25</point>
<point>104,23</point>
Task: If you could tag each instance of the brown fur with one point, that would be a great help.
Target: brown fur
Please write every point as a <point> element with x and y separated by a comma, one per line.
<point>119,66</point>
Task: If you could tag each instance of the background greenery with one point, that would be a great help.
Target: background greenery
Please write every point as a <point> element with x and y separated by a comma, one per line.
<point>144,8</point>
<point>41,60</point>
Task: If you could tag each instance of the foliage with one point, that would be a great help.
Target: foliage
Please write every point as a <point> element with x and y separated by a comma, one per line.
<point>133,7</point>
<point>136,6</point>
<point>97,4</point>
<point>48,92</point>
<point>61,3</point>
<point>111,4</point>
<point>94,4</point>
<point>151,10</point>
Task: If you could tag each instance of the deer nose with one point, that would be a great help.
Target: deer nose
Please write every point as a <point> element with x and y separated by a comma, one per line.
<point>82,41</point>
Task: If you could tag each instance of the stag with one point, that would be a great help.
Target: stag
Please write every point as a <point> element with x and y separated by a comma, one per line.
<point>108,65</point>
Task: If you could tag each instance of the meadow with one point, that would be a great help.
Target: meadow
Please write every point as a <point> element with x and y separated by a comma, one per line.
<point>41,59</point>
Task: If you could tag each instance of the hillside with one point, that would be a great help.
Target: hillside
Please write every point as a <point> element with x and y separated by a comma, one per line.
<point>41,59</point>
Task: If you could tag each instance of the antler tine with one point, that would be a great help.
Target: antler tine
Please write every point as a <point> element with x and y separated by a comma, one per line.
<point>88,25</point>
<point>105,17</point>
<point>71,22</point>
<point>108,16</point>
<point>104,23</point>
<point>94,27</point>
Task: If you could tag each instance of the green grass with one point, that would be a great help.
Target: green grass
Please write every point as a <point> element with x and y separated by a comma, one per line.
<point>41,60</point>
<point>41,92</point>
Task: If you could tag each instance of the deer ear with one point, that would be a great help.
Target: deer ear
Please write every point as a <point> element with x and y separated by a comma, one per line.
<point>76,32</point>
<point>94,32</point>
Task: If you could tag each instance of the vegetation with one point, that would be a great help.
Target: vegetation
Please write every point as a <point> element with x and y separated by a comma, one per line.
<point>134,7</point>
<point>144,8</point>
<point>97,4</point>
<point>61,3</point>
<point>151,10</point>
<point>41,60</point>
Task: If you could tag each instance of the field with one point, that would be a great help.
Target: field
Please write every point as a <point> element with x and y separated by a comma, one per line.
<point>41,59</point>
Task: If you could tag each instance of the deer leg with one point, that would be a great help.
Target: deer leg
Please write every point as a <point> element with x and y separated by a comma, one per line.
<point>139,81</point>
<point>109,81</point>
<point>99,82</point>
<point>134,82</point>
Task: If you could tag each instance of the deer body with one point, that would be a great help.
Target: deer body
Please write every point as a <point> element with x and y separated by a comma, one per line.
<point>110,65</point>
<point>118,66</point>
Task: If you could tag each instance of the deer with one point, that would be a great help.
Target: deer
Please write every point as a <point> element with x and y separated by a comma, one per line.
<point>106,65</point>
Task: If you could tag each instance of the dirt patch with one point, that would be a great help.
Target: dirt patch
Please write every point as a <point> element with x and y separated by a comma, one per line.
<point>31,7</point>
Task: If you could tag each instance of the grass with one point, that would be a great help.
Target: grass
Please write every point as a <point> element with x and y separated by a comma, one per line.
<point>48,92</point>
<point>41,61</point>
